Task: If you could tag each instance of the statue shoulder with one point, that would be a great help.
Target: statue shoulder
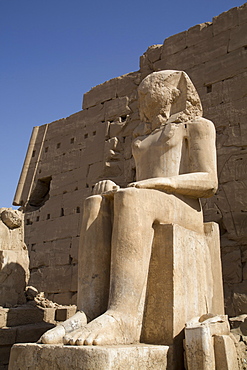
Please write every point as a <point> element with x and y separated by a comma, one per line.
<point>201,127</point>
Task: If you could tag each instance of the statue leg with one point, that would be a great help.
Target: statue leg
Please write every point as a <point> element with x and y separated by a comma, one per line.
<point>135,211</point>
<point>94,269</point>
<point>94,256</point>
<point>131,249</point>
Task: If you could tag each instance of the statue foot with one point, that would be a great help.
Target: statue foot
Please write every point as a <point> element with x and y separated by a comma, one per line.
<point>56,335</point>
<point>110,328</point>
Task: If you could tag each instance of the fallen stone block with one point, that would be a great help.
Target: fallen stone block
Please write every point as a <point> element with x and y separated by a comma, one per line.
<point>13,276</point>
<point>12,218</point>
<point>239,325</point>
<point>225,353</point>
<point>4,356</point>
<point>31,333</point>
<point>3,316</point>
<point>7,336</point>
<point>208,344</point>
<point>24,315</point>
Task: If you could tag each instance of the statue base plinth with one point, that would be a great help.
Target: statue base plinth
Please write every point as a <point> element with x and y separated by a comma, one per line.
<point>34,356</point>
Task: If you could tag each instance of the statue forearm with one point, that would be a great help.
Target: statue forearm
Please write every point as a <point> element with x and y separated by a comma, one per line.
<point>196,185</point>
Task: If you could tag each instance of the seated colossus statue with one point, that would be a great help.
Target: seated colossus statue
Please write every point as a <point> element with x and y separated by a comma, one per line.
<point>175,157</point>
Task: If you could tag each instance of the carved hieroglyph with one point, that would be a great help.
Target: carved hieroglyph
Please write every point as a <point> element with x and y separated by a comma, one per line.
<point>174,152</point>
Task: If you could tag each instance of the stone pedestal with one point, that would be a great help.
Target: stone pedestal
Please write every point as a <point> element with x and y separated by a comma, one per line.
<point>51,357</point>
<point>184,281</point>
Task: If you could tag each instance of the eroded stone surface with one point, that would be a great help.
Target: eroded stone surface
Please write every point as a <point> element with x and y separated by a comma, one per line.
<point>208,344</point>
<point>50,357</point>
<point>225,353</point>
<point>11,218</point>
<point>14,259</point>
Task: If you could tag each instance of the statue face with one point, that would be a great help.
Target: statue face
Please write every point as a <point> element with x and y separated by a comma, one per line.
<point>155,99</point>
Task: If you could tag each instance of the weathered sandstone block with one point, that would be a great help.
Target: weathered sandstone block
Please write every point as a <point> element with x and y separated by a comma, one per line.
<point>22,315</point>
<point>225,353</point>
<point>116,107</point>
<point>14,260</point>
<point>11,218</point>
<point>208,345</point>
<point>50,357</point>
<point>226,20</point>
<point>185,267</point>
<point>100,93</point>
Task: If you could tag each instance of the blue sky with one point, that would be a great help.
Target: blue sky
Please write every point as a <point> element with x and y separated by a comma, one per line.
<point>54,51</point>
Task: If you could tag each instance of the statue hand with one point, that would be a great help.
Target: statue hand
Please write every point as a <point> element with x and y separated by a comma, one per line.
<point>143,184</point>
<point>105,187</point>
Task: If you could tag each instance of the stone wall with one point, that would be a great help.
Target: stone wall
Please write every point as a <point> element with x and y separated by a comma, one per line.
<point>14,261</point>
<point>65,158</point>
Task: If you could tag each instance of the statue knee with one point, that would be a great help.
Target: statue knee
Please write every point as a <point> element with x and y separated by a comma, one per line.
<point>92,202</point>
<point>125,197</point>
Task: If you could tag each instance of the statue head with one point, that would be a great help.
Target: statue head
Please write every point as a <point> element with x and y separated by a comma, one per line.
<point>168,96</point>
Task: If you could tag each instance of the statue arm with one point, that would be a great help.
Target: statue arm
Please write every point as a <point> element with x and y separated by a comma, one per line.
<point>201,182</point>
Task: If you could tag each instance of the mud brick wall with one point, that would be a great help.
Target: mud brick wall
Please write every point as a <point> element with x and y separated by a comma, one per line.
<point>66,157</point>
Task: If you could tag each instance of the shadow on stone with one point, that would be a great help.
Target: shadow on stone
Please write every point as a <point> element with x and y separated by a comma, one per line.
<point>12,283</point>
